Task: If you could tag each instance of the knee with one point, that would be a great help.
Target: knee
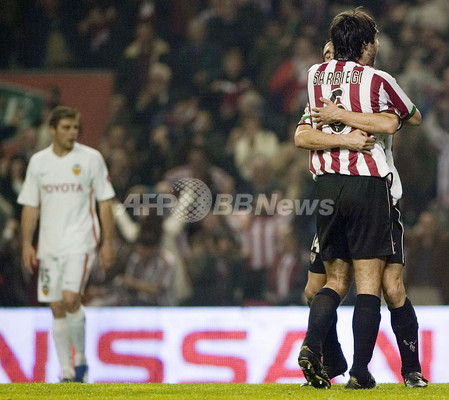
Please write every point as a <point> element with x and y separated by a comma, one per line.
<point>314,283</point>
<point>71,302</point>
<point>310,292</point>
<point>340,286</point>
<point>58,309</point>
<point>394,293</point>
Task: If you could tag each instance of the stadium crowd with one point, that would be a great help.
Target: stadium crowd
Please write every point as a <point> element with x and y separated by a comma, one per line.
<point>213,89</point>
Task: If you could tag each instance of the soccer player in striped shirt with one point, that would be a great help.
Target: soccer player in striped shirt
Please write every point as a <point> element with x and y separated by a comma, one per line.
<point>351,169</point>
<point>403,316</point>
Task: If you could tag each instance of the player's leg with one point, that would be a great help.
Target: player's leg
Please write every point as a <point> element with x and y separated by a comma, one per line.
<point>61,337</point>
<point>404,324</point>
<point>77,268</point>
<point>323,307</point>
<point>76,320</point>
<point>50,291</point>
<point>334,361</point>
<point>333,358</point>
<point>315,281</point>
<point>366,319</point>
<point>403,317</point>
<point>367,209</point>
<point>321,318</point>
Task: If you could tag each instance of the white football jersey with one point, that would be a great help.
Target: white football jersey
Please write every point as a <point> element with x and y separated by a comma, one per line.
<point>65,190</point>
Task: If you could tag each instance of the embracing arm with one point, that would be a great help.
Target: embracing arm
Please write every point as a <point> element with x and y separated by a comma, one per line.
<point>374,123</point>
<point>309,138</point>
<point>29,219</point>
<point>107,250</point>
<point>415,119</point>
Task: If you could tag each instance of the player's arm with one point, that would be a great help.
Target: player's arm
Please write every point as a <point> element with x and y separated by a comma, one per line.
<point>309,138</point>
<point>107,250</point>
<point>30,216</point>
<point>374,123</point>
<point>415,119</point>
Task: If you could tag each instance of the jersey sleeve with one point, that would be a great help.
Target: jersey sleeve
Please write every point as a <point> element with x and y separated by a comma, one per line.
<point>101,183</point>
<point>397,99</point>
<point>29,194</point>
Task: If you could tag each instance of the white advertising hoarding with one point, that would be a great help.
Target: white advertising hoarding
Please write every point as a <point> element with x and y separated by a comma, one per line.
<point>183,345</point>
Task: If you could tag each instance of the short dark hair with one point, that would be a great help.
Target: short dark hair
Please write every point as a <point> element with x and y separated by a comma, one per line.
<point>349,31</point>
<point>61,112</point>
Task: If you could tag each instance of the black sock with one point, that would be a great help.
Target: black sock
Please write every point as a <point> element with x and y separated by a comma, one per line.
<point>331,348</point>
<point>365,327</point>
<point>405,327</point>
<point>322,312</point>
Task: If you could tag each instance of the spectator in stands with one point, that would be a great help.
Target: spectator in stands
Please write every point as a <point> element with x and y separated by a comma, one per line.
<point>261,245</point>
<point>283,277</point>
<point>157,155</point>
<point>249,139</point>
<point>202,272</point>
<point>132,71</point>
<point>197,61</point>
<point>289,80</point>
<point>427,254</point>
<point>225,27</point>
<point>12,176</point>
<point>199,167</point>
<point>204,135</point>
<point>231,269</point>
<point>99,43</point>
<point>225,91</point>
<point>51,97</point>
<point>153,99</point>
<point>148,279</point>
<point>47,30</point>
<point>14,280</point>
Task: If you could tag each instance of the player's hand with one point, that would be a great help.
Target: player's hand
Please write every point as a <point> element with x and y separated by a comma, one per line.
<point>107,255</point>
<point>29,257</point>
<point>327,114</point>
<point>360,141</point>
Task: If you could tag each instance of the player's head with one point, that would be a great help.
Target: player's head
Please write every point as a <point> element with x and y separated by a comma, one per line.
<point>351,31</point>
<point>328,51</point>
<point>64,126</point>
<point>61,112</point>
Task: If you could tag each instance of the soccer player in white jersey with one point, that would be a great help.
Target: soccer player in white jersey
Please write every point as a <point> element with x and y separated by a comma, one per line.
<point>403,316</point>
<point>62,184</point>
<point>352,170</point>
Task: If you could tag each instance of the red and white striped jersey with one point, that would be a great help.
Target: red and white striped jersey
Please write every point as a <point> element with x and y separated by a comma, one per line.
<point>261,240</point>
<point>358,88</point>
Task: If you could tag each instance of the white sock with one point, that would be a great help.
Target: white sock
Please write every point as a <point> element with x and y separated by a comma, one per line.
<point>61,336</point>
<point>77,328</point>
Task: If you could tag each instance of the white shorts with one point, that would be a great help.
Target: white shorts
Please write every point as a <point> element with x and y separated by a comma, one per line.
<point>63,273</point>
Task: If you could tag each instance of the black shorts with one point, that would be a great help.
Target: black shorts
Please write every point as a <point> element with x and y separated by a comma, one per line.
<point>397,229</point>
<point>359,225</point>
<point>316,264</point>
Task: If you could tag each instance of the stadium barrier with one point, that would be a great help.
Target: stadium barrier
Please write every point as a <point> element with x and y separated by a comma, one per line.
<point>183,345</point>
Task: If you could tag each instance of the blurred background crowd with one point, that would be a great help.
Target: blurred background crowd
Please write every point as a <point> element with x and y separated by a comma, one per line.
<point>213,89</point>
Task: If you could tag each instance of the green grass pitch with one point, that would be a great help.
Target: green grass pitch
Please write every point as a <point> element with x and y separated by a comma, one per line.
<point>213,391</point>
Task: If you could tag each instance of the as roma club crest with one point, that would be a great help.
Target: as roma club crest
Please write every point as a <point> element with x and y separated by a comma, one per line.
<point>45,290</point>
<point>76,169</point>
